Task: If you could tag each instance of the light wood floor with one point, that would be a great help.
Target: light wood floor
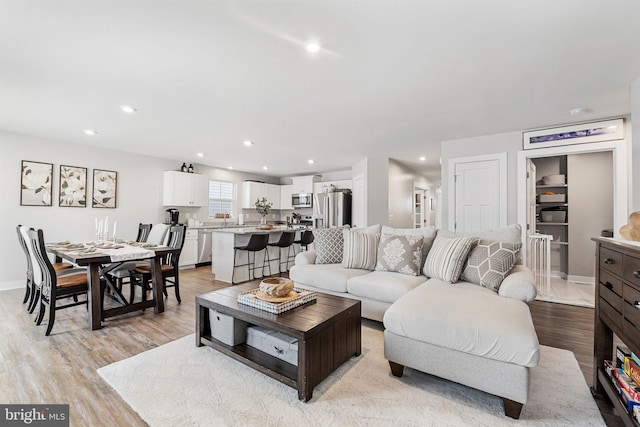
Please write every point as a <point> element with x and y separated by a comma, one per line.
<point>62,368</point>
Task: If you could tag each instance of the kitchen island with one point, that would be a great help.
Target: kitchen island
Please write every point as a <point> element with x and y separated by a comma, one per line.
<point>225,239</point>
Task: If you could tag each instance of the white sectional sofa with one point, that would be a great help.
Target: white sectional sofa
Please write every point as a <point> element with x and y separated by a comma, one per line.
<point>460,331</point>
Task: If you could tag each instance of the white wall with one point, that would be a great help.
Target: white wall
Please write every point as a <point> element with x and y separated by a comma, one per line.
<point>401,183</point>
<point>377,181</point>
<point>139,195</point>
<point>634,129</point>
<point>509,143</point>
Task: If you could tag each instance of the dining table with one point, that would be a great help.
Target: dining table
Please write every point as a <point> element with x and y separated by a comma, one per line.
<point>99,258</point>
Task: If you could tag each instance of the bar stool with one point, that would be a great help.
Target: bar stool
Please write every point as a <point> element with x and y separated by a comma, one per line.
<point>306,238</point>
<point>285,241</point>
<point>257,242</point>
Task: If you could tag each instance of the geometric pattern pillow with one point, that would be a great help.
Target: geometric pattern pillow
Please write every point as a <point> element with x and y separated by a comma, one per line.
<point>490,262</point>
<point>447,257</point>
<point>359,249</point>
<point>329,245</point>
<point>400,253</point>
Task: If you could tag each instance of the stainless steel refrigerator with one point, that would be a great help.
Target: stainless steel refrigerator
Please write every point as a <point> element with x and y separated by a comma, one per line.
<point>331,209</point>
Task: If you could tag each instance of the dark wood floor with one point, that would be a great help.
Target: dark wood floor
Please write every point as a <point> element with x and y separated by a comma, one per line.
<point>62,368</point>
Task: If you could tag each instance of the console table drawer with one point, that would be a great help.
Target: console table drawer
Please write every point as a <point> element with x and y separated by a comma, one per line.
<point>611,282</point>
<point>611,260</point>
<point>632,269</point>
<point>610,315</point>
<point>611,297</point>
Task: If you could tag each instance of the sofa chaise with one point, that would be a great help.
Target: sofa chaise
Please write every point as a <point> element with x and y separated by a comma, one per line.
<point>481,336</point>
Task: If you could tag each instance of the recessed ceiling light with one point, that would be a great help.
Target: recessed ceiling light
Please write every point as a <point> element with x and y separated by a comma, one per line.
<point>90,132</point>
<point>230,167</point>
<point>311,161</point>
<point>578,111</point>
<point>248,143</point>
<point>265,167</point>
<point>422,158</point>
<point>313,47</point>
<point>200,154</point>
<point>128,109</point>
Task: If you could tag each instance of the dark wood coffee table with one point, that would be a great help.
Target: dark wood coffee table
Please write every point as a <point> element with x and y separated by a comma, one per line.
<point>328,332</point>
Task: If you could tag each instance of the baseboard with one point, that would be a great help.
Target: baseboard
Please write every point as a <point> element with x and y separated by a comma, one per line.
<point>559,275</point>
<point>5,286</point>
<point>582,279</point>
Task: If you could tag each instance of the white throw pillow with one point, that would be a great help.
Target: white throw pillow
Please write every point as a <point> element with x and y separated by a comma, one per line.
<point>359,249</point>
<point>447,257</point>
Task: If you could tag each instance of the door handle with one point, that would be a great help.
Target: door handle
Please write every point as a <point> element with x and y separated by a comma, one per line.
<point>608,286</point>
<point>636,274</point>
<point>608,261</point>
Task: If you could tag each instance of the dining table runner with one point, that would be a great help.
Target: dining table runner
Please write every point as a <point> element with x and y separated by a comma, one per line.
<point>117,252</point>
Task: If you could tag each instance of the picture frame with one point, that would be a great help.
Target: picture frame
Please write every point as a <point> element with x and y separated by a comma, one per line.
<point>607,130</point>
<point>105,189</point>
<point>36,183</point>
<point>73,186</point>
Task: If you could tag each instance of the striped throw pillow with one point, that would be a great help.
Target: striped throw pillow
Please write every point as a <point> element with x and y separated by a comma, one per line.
<point>447,257</point>
<point>360,249</point>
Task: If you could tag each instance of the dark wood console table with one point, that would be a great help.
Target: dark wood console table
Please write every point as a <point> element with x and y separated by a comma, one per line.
<point>616,310</point>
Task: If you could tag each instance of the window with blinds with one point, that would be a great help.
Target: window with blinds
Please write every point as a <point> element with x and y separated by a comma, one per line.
<point>221,198</point>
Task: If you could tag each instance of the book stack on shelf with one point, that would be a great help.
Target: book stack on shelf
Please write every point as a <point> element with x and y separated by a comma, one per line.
<point>625,377</point>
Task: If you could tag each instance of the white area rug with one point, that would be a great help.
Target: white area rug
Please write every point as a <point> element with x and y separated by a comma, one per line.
<point>179,384</point>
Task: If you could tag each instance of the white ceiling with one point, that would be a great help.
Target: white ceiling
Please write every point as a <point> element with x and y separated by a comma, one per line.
<point>394,77</point>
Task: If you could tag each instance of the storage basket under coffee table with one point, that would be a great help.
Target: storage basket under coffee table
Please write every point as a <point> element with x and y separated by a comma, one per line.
<point>328,333</point>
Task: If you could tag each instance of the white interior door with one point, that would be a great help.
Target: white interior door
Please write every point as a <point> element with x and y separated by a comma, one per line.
<point>418,207</point>
<point>357,201</point>
<point>531,197</point>
<point>479,193</point>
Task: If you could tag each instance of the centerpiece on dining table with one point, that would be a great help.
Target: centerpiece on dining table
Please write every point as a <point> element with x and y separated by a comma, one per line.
<point>263,207</point>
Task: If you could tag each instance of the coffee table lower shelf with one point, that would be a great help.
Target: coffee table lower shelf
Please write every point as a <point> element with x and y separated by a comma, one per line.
<point>275,368</point>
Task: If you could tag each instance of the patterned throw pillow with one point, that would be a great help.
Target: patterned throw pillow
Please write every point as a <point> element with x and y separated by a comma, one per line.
<point>490,262</point>
<point>402,254</point>
<point>360,249</point>
<point>329,245</point>
<point>447,256</point>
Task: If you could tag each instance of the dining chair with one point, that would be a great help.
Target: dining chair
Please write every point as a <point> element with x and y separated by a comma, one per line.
<point>34,276</point>
<point>54,288</point>
<point>141,275</point>
<point>121,272</point>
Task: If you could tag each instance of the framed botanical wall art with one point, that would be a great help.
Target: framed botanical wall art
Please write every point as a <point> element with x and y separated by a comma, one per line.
<point>73,186</point>
<point>105,185</point>
<point>36,183</point>
<point>608,130</point>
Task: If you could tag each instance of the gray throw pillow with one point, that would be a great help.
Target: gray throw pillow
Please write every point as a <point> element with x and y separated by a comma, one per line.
<point>360,249</point>
<point>401,254</point>
<point>490,262</point>
<point>447,257</point>
<point>329,245</point>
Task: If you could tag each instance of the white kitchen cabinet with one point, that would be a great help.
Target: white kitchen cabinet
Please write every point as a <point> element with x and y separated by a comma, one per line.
<point>273,195</point>
<point>251,191</point>
<point>303,184</point>
<point>286,191</point>
<point>189,254</point>
<point>317,187</point>
<point>185,189</point>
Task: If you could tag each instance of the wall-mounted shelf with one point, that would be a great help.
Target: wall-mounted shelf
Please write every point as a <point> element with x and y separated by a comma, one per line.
<point>552,223</point>
<point>551,204</point>
<point>552,186</point>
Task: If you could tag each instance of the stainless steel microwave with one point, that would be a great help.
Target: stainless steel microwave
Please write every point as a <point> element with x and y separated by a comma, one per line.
<point>302,200</point>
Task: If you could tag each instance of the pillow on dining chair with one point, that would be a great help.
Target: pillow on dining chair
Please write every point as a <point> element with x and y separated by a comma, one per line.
<point>158,234</point>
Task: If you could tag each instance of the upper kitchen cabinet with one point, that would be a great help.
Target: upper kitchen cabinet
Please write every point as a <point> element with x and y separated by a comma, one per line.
<point>286,191</point>
<point>185,189</point>
<point>303,184</point>
<point>251,191</point>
